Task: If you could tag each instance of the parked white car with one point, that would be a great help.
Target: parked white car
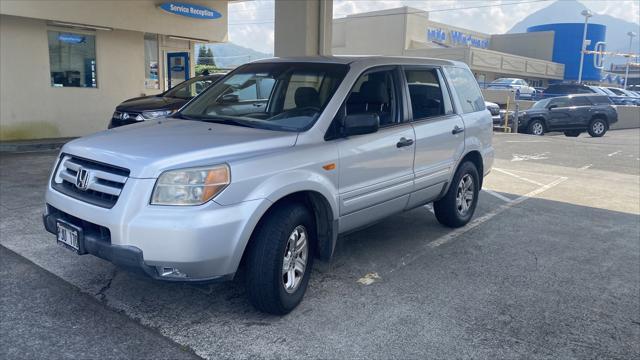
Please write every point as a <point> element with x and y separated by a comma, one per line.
<point>521,88</point>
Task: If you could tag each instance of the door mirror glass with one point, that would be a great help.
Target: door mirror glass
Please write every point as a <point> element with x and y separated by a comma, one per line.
<point>228,99</point>
<point>359,124</point>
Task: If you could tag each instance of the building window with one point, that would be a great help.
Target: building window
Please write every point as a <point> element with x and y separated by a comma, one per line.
<point>72,59</point>
<point>151,79</point>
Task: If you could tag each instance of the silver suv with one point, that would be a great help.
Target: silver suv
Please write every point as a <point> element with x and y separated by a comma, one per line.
<point>266,168</point>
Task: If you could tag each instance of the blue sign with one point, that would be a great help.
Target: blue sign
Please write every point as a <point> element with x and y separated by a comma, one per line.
<point>436,35</point>
<point>464,39</point>
<point>190,10</point>
<point>71,38</point>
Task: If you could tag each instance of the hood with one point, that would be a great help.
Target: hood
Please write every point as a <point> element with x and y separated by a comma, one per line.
<point>150,147</point>
<point>149,103</point>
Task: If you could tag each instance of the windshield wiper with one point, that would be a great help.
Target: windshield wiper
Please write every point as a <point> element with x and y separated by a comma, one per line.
<point>225,121</point>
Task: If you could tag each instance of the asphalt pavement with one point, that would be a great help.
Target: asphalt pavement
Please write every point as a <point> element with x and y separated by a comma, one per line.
<point>45,317</point>
<point>548,268</point>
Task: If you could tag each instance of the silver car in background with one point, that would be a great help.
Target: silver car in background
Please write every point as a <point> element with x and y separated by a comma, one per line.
<point>264,169</point>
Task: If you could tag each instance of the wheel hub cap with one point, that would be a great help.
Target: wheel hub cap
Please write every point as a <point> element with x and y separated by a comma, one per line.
<point>465,194</point>
<point>537,129</point>
<point>294,263</point>
<point>598,127</point>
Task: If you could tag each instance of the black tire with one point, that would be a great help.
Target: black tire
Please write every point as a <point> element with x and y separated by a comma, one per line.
<point>598,127</point>
<point>536,127</point>
<point>265,257</point>
<point>447,210</point>
<point>572,133</point>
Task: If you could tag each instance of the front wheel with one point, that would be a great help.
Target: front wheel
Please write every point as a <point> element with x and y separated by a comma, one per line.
<point>597,127</point>
<point>536,127</point>
<point>456,208</point>
<point>280,259</point>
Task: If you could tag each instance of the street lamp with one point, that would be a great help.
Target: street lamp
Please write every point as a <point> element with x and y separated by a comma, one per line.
<point>626,73</point>
<point>587,14</point>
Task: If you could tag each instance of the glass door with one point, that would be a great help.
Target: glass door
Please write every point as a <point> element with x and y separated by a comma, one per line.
<point>177,68</point>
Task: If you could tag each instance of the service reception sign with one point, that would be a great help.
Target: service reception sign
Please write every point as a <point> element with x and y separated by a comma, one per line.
<point>190,10</point>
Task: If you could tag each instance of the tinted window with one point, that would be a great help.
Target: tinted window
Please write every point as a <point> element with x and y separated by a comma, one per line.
<point>426,94</point>
<point>580,101</point>
<point>599,100</point>
<point>560,102</point>
<point>189,88</point>
<point>467,89</point>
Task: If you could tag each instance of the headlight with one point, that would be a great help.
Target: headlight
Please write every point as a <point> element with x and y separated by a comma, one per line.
<point>156,114</point>
<point>193,186</point>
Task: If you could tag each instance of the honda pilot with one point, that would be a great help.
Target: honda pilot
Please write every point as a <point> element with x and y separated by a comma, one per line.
<point>264,169</point>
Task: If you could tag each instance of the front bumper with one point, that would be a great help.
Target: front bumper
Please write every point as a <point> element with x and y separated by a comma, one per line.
<point>204,242</point>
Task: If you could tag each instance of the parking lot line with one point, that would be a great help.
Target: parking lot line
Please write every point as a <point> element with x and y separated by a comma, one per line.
<point>518,176</point>
<point>499,196</point>
<point>476,222</point>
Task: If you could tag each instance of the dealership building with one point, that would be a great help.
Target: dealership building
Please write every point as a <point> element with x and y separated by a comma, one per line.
<point>539,56</point>
<point>65,65</point>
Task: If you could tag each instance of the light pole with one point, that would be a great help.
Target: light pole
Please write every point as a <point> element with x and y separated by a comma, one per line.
<point>626,72</point>
<point>587,14</point>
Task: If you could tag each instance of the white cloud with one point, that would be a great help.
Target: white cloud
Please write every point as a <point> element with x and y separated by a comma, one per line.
<point>251,22</point>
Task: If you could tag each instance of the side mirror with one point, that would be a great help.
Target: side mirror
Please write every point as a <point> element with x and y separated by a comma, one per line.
<point>551,107</point>
<point>228,98</point>
<point>360,124</point>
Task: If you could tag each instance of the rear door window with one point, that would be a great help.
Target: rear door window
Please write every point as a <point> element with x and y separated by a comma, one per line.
<point>467,89</point>
<point>427,93</point>
<point>580,101</point>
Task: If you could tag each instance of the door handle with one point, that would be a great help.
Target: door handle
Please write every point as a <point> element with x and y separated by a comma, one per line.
<point>257,105</point>
<point>457,130</point>
<point>404,142</point>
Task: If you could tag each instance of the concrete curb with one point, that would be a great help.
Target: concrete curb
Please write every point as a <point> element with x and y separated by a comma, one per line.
<point>32,145</point>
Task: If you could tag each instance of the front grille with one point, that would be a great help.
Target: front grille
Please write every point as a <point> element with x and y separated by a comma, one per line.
<point>101,186</point>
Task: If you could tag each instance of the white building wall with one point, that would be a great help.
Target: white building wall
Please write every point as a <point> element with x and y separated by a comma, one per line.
<point>32,108</point>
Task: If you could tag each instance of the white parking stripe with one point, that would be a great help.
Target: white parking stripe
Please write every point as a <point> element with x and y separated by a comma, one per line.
<point>586,167</point>
<point>518,177</point>
<point>476,222</point>
<point>614,153</point>
<point>499,196</point>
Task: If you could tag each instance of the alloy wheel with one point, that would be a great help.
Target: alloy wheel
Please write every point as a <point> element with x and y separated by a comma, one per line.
<point>465,195</point>
<point>295,259</point>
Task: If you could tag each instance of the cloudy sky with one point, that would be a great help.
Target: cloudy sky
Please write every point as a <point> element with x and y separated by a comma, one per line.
<point>251,22</point>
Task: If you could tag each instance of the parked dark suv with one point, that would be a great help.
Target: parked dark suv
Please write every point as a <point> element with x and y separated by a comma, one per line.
<point>571,114</point>
<point>151,107</point>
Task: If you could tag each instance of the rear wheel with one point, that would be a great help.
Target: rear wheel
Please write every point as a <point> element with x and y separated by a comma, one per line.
<point>280,258</point>
<point>456,208</point>
<point>536,127</point>
<point>572,133</point>
<point>598,127</point>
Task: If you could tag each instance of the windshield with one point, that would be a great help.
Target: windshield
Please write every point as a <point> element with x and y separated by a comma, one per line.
<point>190,88</point>
<point>607,91</point>
<point>276,96</point>
<point>541,104</point>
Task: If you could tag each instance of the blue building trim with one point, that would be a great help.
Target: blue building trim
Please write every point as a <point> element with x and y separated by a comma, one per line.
<point>567,45</point>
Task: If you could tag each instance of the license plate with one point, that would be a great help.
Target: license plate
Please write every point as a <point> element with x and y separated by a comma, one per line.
<point>69,235</point>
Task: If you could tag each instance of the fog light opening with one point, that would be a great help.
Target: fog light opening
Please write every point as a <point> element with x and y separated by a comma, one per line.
<point>171,272</point>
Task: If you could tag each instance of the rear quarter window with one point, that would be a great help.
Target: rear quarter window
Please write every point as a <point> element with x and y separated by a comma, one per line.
<point>600,100</point>
<point>467,89</point>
